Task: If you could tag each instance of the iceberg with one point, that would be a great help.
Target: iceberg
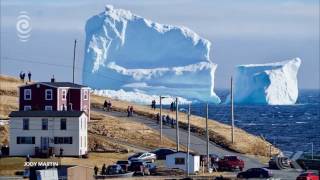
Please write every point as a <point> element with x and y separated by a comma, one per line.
<point>128,52</point>
<point>272,83</point>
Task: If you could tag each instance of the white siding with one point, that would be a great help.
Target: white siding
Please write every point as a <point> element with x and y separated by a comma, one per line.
<point>35,129</point>
<point>194,161</point>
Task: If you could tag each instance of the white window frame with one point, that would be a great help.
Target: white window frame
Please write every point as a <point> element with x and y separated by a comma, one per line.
<point>46,93</point>
<point>85,94</point>
<point>27,108</point>
<point>64,94</point>
<point>48,108</point>
<point>25,94</point>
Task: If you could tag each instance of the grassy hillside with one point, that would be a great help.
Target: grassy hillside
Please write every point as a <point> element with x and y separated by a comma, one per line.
<point>219,133</point>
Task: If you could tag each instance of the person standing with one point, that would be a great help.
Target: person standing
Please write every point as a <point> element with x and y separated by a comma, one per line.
<point>96,169</point>
<point>128,111</point>
<point>29,76</point>
<point>103,169</point>
<point>23,76</point>
<point>131,111</point>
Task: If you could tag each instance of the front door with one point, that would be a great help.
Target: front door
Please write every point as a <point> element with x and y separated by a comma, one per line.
<point>44,143</point>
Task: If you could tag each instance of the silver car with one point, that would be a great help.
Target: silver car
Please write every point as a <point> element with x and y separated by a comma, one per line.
<point>146,156</point>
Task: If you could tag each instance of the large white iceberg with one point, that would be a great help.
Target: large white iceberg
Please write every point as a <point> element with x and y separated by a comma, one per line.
<point>273,83</point>
<point>126,51</point>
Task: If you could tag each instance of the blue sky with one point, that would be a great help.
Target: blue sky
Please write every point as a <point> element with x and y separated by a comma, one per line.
<point>241,32</point>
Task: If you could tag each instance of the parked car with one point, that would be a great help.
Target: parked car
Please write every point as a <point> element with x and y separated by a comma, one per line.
<point>162,153</point>
<point>231,163</point>
<point>139,167</point>
<point>114,169</point>
<point>152,168</point>
<point>124,164</point>
<point>255,173</point>
<point>279,163</point>
<point>146,156</point>
<point>308,176</point>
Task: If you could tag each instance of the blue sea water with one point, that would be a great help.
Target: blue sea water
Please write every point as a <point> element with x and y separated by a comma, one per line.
<point>291,127</point>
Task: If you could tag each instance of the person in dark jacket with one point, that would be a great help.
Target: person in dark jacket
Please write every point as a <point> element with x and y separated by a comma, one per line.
<point>29,76</point>
<point>103,169</point>
<point>96,169</point>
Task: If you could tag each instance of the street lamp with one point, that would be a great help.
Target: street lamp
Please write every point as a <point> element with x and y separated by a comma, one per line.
<point>161,97</point>
<point>311,150</point>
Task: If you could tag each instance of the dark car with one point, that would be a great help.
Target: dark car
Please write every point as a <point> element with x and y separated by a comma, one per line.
<point>124,164</point>
<point>255,173</point>
<point>162,153</point>
<point>139,167</point>
<point>114,169</point>
<point>152,168</point>
<point>231,163</point>
<point>308,176</point>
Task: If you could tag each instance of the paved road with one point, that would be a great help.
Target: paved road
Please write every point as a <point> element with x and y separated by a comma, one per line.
<point>198,144</point>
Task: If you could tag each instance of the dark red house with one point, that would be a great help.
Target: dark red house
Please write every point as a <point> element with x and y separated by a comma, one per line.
<point>54,96</point>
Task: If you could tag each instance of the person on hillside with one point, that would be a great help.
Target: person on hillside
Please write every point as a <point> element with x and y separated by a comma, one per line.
<point>105,105</point>
<point>154,104</point>
<point>158,118</point>
<point>23,76</point>
<point>20,75</point>
<point>109,104</point>
<point>103,169</point>
<point>29,76</point>
<point>96,169</point>
<point>131,111</point>
<point>172,106</point>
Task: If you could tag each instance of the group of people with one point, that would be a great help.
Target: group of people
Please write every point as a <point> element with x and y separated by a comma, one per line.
<point>153,104</point>
<point>103,170</point>
<point>166,120</point>
<point>130,111</point>
<point>107,105</point>
<point>23,75</point>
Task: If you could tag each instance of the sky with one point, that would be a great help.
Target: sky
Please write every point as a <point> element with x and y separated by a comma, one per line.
<point>241,32</point>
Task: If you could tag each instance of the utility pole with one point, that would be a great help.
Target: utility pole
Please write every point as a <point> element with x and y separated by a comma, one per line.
<point>161,119</point>
<point>232,115</point>
<point>188,142</point>
<point>177,124</point>
<point>74,59</point>
<point>207,134</point>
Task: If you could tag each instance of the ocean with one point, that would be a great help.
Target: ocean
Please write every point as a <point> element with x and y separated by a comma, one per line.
<point>289,127</point>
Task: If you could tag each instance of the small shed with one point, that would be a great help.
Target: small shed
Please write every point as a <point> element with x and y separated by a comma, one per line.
<point>178,160</point>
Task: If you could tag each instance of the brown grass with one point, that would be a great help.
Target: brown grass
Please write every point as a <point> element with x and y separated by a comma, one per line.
<point>218,132</point>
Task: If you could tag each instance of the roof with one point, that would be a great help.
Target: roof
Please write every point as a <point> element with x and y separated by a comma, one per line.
<point>46,113</point>
<point>58,84</point>
<point>63,84</point>
<point>184,152</point>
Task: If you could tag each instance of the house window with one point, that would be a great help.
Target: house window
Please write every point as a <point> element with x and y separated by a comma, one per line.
<point>27,108</point>
<point>63,124</point>
<point>85,141</point>
<point>25,140</point>
<point>62,140</point>
<point>80,141</point>
<point>27,94</point>
<point>44,124</point>
<point>64,94</point>
<point>48,94</point>
<point>85,95</point>
<point>25,124</point>
<point>48,108</point>
<point>179,161</point>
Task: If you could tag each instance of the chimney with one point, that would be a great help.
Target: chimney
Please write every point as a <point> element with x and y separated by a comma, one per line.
<point>52,79</point>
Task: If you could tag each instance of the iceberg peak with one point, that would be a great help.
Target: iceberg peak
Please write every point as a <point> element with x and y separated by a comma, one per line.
<point>123,48</point>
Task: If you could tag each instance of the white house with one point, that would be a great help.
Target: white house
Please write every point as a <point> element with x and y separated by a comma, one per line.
<point>48,132</point>
<point>178,160</point>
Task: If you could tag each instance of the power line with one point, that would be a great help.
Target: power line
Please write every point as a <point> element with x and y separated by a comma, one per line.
<point>60,65</point>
